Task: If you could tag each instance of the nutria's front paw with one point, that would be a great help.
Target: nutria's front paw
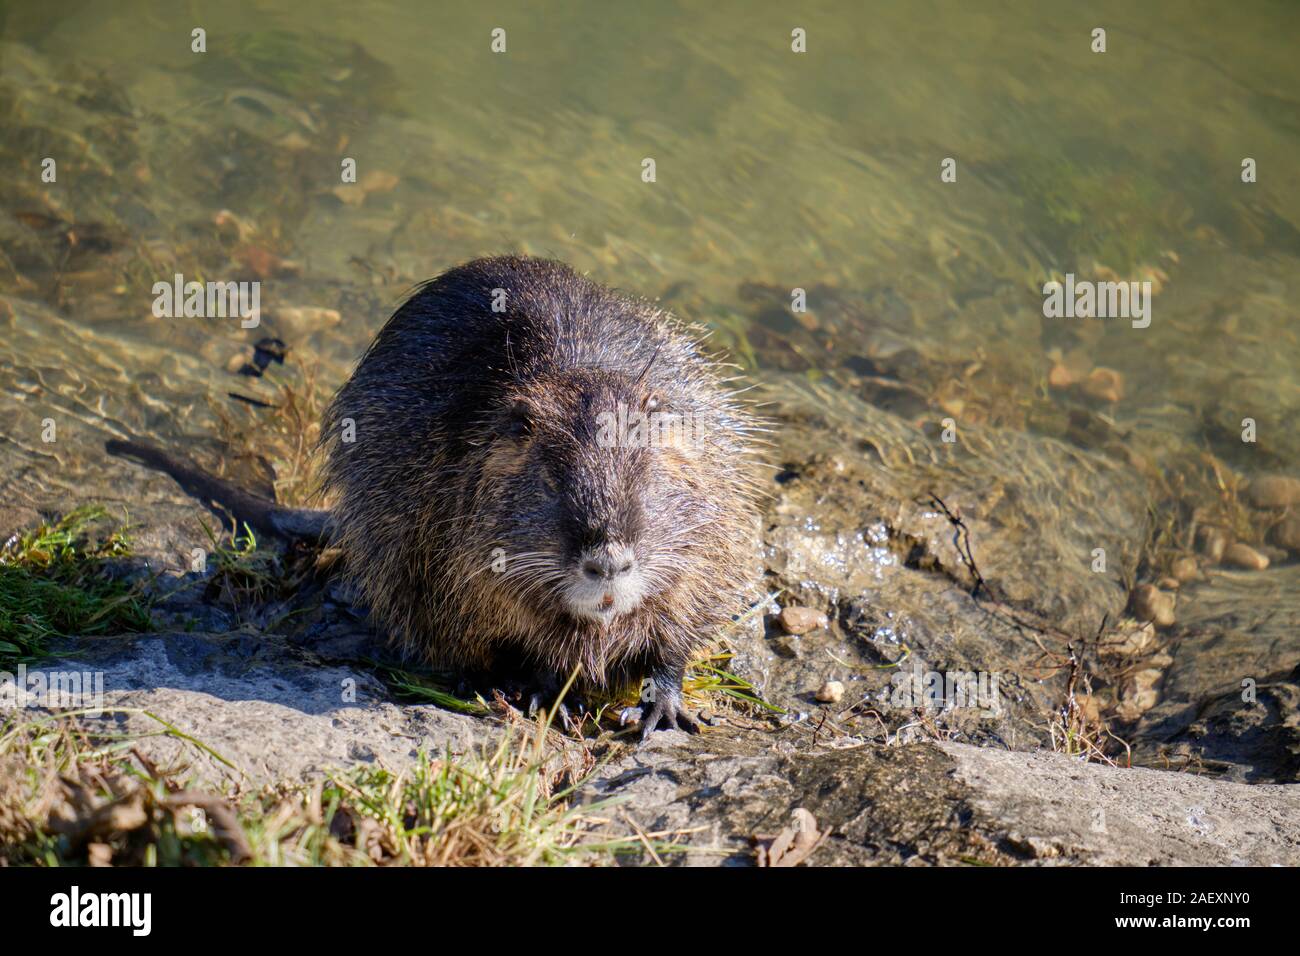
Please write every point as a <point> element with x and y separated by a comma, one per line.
<point>661,704</point>
<point>661,711</point>
<point>539,693</point>
<point>565,710</point>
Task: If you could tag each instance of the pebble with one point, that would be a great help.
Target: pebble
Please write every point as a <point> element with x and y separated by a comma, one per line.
<point>1244,556</point>
<point>302,321</point>
<point>1273,491</point>
<point>1141,693</point>
<point>377,181</point>
<point>240,361</point>
<point>1104,384</point>
<point>265,264</point>
<point>1089,706</point>
<point>1287,533</point>
<point>801,620</point>
<point>1152,604</point>
<point>1130,639</point>
<point>831,692</point>
<point>1185,569</point>
<point>1059,377</point>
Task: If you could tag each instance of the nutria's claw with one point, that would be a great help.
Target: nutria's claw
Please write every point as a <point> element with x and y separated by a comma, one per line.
<point>538,702</point>
<point>665,708</point>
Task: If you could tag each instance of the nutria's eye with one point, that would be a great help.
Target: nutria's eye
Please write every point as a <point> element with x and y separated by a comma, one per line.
<point>652,402</point>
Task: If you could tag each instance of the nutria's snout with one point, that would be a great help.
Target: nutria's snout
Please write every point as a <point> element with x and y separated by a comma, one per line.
<point>606,583</point>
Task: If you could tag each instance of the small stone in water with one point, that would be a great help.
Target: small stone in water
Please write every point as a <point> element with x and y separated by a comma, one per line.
<point>1185,569</point>
<point>1152,604</point>
<point>1104,384</point>
<point>801,620</point>
<point>831,692</point>
<point>301,321</point>
<point>1287,533</point>
<point>1273,491</point>
<point>1244,556</point>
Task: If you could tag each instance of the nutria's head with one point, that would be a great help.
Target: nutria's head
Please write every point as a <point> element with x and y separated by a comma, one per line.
<point>588,486</point>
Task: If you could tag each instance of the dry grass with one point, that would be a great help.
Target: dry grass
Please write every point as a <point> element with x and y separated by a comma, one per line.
<point>73,796</point>
<point>284,434</point>
<point>1074,731</point>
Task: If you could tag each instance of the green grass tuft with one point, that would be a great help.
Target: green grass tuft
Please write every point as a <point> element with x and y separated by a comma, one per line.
<point>55,581</point>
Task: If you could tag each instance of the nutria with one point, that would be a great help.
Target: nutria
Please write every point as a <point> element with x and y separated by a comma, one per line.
<point>535,474</point>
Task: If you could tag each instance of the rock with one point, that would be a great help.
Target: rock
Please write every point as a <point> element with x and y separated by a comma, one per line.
<point>831,692</point>
<point>1185,569</point>
<point>375,181</point>
<point>274,711</point>
<point>1092,815</point>
<point>265,264</point>
<point>926,803</point>
<point>303,321</point>
<point>1247,737</point>
<point>1169,584</point>
<point>1244,556</point>
<point>1152,604</point>
<point>1139,693</point>
<point>1273,491</point>
<point>1213,542</point>
<point>801,620</point>
<point>1238,631</point>
<point>1130,639</point>
<point>1068,370</point>
<point>241,362</point>
<point>1104,384</point>
<point>1089,706</point>
<point>1286,533</point>
<point>1059,376</point>
<point>232,226</point>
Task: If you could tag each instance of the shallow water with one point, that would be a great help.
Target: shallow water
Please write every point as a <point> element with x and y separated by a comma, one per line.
<point>774,171</point>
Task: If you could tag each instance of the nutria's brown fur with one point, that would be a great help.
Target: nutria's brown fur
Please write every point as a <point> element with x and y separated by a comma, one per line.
<point>494,519</point>
<point>496,501</point>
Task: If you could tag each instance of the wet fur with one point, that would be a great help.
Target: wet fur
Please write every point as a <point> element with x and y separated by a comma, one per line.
<point>475,430</point>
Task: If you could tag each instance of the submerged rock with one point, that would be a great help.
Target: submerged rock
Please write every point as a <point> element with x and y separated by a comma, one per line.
<point>1244,556</point>
<point>1154,605</point>
<point>801,620</point>
<point>1273,491</point>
